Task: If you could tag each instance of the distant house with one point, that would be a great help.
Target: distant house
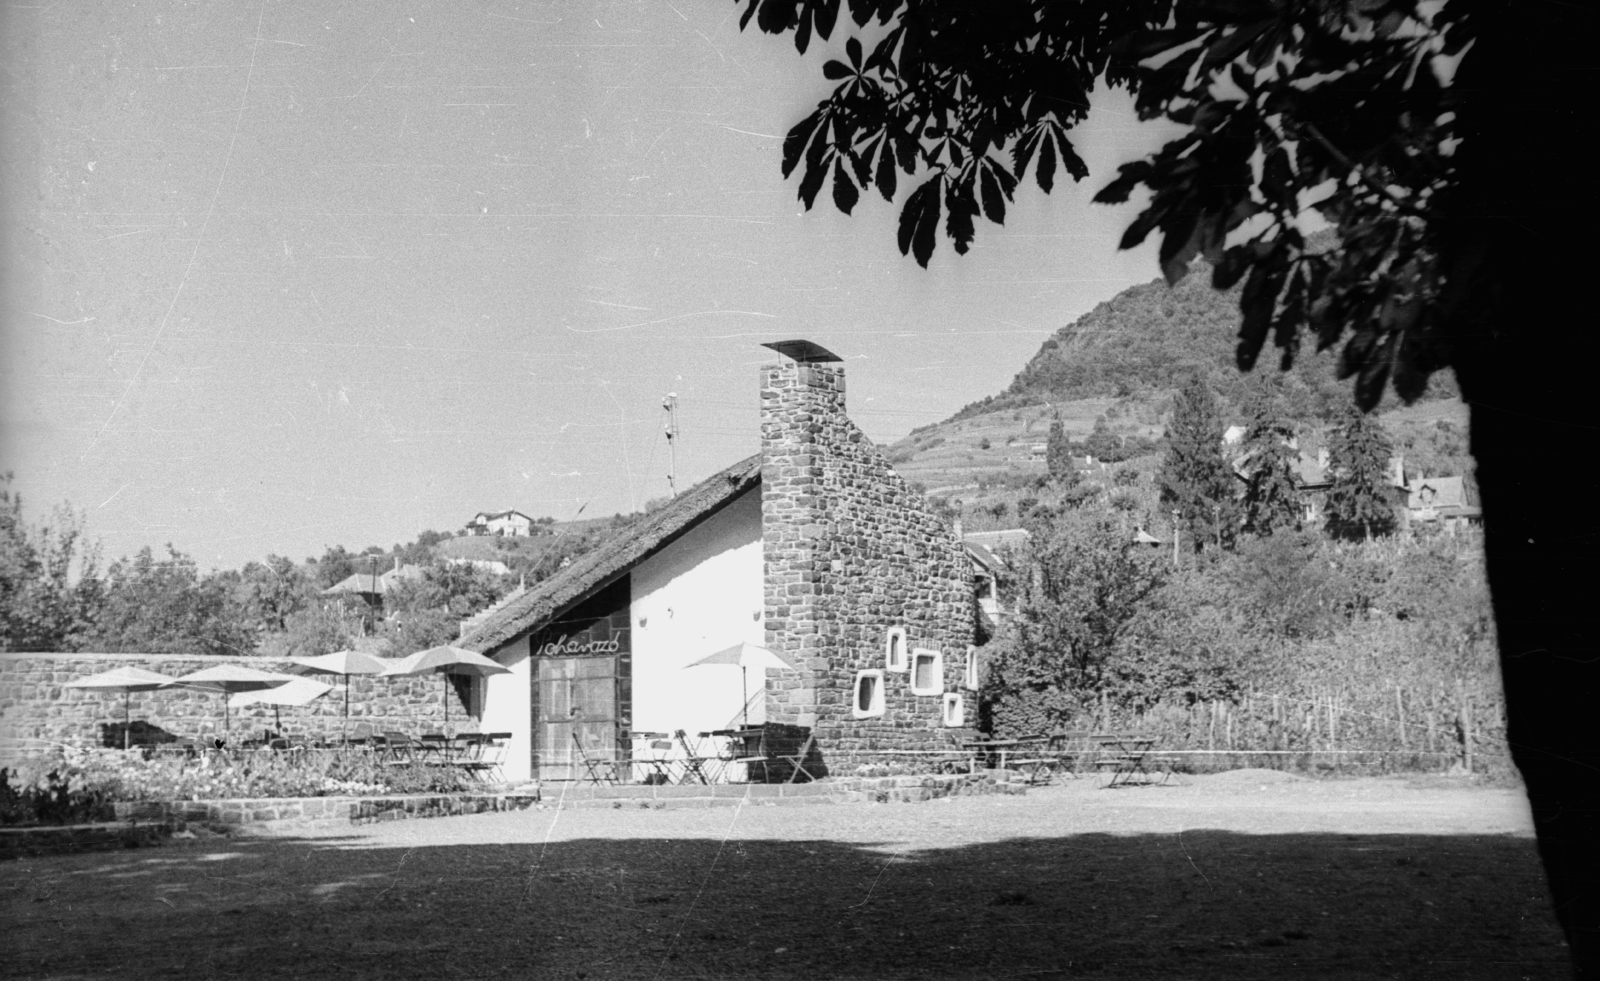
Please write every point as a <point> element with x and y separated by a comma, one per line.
<point>1445,500</point>
<point>513,523</point>
<point>1142,537</point>
<point>988,568</point>
<point>1314,476</point>
<point>371,587</point>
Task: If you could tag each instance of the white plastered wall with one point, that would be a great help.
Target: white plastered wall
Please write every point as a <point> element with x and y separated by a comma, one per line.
<point>507,707</point>
<point>699,595</point>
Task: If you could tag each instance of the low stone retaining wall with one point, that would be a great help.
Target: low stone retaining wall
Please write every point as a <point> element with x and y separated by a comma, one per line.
<point>56,840</point>
<point>281,812</point>
<point>832,790</point>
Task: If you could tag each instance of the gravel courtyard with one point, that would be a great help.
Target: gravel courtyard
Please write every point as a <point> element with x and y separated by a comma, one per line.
<point>1247,874</point>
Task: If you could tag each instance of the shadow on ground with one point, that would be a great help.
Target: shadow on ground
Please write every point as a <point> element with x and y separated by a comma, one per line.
<point>1205,905</point>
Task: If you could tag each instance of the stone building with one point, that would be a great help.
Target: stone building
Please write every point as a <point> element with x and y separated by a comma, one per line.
<point>814,549</point>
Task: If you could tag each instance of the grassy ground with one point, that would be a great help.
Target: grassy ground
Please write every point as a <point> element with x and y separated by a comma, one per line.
<point>1249,874</point>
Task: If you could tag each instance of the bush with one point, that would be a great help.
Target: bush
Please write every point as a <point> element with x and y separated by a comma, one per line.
<point>34,795</point>
<point>77,785</point>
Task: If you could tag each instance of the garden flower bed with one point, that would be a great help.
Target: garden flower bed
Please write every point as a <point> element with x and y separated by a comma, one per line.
<point>80,800</point>
<point>78,786</point>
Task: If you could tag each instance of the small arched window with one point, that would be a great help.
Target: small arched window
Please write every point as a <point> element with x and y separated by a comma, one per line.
<point>894,649</point>
<point>954,710</point>
<point>927,672</point>
<point>866,700</point>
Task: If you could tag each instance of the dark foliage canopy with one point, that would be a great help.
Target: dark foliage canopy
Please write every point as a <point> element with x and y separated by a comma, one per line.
<point>1346,107</point>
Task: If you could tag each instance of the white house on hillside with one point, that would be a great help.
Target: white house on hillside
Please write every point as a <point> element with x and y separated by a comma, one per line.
<point>513,523</point>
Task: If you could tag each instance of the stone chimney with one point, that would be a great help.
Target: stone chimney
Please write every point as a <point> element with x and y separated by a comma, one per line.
<point>802,414</point>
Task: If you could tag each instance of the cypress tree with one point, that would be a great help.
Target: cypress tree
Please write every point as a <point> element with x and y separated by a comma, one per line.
<point>1360,503</point>
<point>1271,502</point>
<point>1195,479</point>
<point>1058,456</point>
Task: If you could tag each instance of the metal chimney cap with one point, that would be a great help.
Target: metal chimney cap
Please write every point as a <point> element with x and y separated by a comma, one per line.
<point>805,352</point>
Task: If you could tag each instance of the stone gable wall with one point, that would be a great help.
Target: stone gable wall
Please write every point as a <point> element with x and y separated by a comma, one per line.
<point>850,551</point>
<point>37,713</point>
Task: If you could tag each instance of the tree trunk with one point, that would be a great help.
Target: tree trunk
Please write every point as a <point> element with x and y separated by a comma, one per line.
<point>1519,318</point>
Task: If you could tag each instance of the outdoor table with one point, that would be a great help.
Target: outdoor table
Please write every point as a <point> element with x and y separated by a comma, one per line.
<point>1001,749</point>
<point>659,768</point>
<point>1128,751</point>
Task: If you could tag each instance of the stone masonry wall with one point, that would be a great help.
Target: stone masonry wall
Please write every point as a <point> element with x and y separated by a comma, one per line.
<point>37,713</point>
<point>851,550</point>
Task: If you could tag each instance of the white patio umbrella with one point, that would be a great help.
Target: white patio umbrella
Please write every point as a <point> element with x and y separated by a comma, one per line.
<point>344,663</point>
<point>229,678</point>
<point>745,656</point>
<point>442,661</point>
<point>300,691</point>
<point>125,680</point>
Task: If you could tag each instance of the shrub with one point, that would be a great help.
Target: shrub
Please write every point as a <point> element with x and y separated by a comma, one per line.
<point>77,784</point>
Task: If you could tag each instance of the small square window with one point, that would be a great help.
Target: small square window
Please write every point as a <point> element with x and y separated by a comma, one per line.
<point>927,672</point>
<point>954,710</point>
<point>867,699</point>
<point>973,680</point>
<point>894,649</point>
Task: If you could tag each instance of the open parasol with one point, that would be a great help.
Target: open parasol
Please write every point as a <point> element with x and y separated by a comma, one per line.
<point>345,663</point>
<point>445,660</point>
<point>300,691</point>
<point>745,656</point>
<point>125,680</point>
<point>230,679</point>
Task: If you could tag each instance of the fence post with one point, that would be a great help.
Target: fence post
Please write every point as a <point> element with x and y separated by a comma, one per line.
<point>1464,711</point>
<point>1400,709</point>
<point>1333,731</point>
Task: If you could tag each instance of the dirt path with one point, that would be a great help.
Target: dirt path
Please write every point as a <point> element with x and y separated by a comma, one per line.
<point>1249,874</point>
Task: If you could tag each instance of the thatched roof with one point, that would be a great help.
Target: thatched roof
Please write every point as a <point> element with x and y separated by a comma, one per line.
<point>606,564</point>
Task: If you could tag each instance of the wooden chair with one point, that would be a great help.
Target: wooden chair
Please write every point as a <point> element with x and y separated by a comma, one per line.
<point>798,760</point>
<point>598,769</point>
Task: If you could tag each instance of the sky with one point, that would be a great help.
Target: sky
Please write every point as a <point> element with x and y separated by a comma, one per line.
<point>278,276</point>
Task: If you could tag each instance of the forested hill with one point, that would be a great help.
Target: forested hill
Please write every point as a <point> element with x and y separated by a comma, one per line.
<point>1142,342</point>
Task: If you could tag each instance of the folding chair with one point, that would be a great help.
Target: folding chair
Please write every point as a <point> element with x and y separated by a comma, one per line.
<point>798,760</point>
<point>694,764</point>
<point>401,751</point>
<point>466,755</point>
<point>491,759</point>
<point>600,770</point>
<point>750,748</point>
<point>435,747</point>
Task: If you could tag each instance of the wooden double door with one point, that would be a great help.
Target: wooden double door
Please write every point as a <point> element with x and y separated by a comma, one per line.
<point>576,696</point>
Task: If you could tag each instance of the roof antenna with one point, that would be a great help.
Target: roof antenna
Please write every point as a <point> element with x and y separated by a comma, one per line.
<point>670,403</point>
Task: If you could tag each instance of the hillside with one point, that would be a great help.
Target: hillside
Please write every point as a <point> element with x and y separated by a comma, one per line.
<point>1142,342</point>
<point>1118,366</point>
